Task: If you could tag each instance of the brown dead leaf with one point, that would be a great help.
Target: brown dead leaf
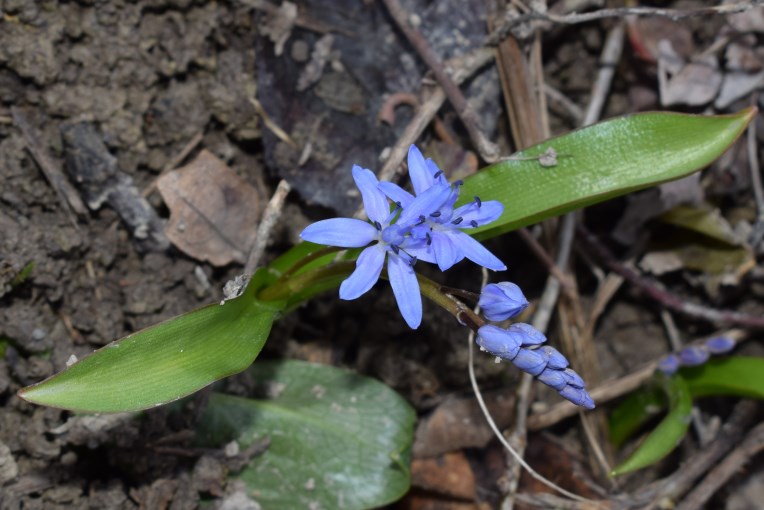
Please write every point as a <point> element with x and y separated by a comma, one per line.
<point>213,211</point>
<point>449,474</point>
<point>458,423</point>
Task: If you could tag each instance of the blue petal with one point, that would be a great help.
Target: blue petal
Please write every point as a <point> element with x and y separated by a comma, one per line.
<point>342,232</point>
<point>374,201</point>
<point>476,252</point>
<point>417,247</point>
<point>406,290</point>
<point>486,213</point>
<point>530,335</point>
<point>502,301</point>
<point>556,360</point>
<point>693,355</point>
<point>578,396</point>
<point>419,173</point>
<point>432,167</point>
<point>531,361</point>
<point>573,378</point>
<point>425,203</point>
<point>367,270</point>
<point>669,364</point>
<point>446,253</point>
<point>396,193</point>
<point>553,378</point>
<point>498,342</point>
<point>719,344</point>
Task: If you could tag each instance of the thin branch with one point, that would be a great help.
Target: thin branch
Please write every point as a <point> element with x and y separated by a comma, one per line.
<point>717,477</point>
<point>665,297</point>
<point>271,216</point>
<point>679,482</point>
<point>463,67</point>
<point>485,147</point>
<point>501,32</point>
<point>70,199</point>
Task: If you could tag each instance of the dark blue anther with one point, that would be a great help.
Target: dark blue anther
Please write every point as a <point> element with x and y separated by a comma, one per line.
<point>422,219</point>
<point>438,174</point>
<point>398,205</point>
<point>457,220</point>
<point>458,183</point>
<point>474,223</point>
<point>478,201</point>
<point>395,249</point>
<point>412,261</point>
<point>429,238</point>
<point>436,214</point>
<point>378,226</point>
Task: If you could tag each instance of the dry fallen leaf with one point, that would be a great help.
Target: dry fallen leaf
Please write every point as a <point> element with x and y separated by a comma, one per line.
<point>213,211</point>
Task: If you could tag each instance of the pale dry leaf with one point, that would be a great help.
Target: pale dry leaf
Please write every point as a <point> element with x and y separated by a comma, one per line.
<point>213,211</point>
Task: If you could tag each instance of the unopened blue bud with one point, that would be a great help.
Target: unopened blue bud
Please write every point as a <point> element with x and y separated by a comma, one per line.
<point>578,396</point>
<point>669,364</point>
<point>556,360</point>
<point>553,378</point>
<point>498,342</point>
<point>719,344</point>
<point>531,361</point>
<point>573,378</point>
<point>693,355</point>
<point>530,335</point>
<point>502,301</point>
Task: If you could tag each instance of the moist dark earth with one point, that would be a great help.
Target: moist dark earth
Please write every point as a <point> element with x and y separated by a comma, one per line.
<point>112,94</point>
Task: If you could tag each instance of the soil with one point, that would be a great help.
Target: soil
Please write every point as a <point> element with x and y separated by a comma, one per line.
<point>141,80</point>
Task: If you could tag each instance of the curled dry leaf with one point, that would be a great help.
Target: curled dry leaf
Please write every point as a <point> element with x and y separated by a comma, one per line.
<point>213,211</point>
<point>695,83</point>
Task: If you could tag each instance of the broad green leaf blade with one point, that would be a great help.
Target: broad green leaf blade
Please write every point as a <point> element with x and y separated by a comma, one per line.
<point>164,362</point>
<point>633,412</point>
<point>739,375</point>
<point>337,440</point>
<point>599,162</point>
<point>666,436</point>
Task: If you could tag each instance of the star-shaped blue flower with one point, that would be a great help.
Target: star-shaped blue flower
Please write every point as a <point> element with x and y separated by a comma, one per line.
<point>445,243</point>
<point>391,241</point>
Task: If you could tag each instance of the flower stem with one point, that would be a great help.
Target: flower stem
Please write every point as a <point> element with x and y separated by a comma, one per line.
<point>434,292</point>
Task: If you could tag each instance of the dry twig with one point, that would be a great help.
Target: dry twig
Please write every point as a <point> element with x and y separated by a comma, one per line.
<point>271,216</point>
<point>500,33</point>
<point>665,297</point>
<point>70,199</point>
<point>488,151</point>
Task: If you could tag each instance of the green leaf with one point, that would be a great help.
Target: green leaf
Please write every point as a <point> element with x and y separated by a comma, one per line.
<point>601,162</point>
<point>633,412</point>
<point>337,440</point>
<point>669,432</point>
<point>736,375</point>
<point>164,362</point>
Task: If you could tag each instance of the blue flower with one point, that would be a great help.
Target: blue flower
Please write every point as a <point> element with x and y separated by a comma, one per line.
<point>502,301</point>
<point>391,241</point>
<point>520,344</point>
<point>720,344</point>
<point>446,244</point>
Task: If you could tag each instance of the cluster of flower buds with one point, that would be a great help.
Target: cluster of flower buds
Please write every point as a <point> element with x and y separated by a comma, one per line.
<point>694,355</point>
<point>521,344</point>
